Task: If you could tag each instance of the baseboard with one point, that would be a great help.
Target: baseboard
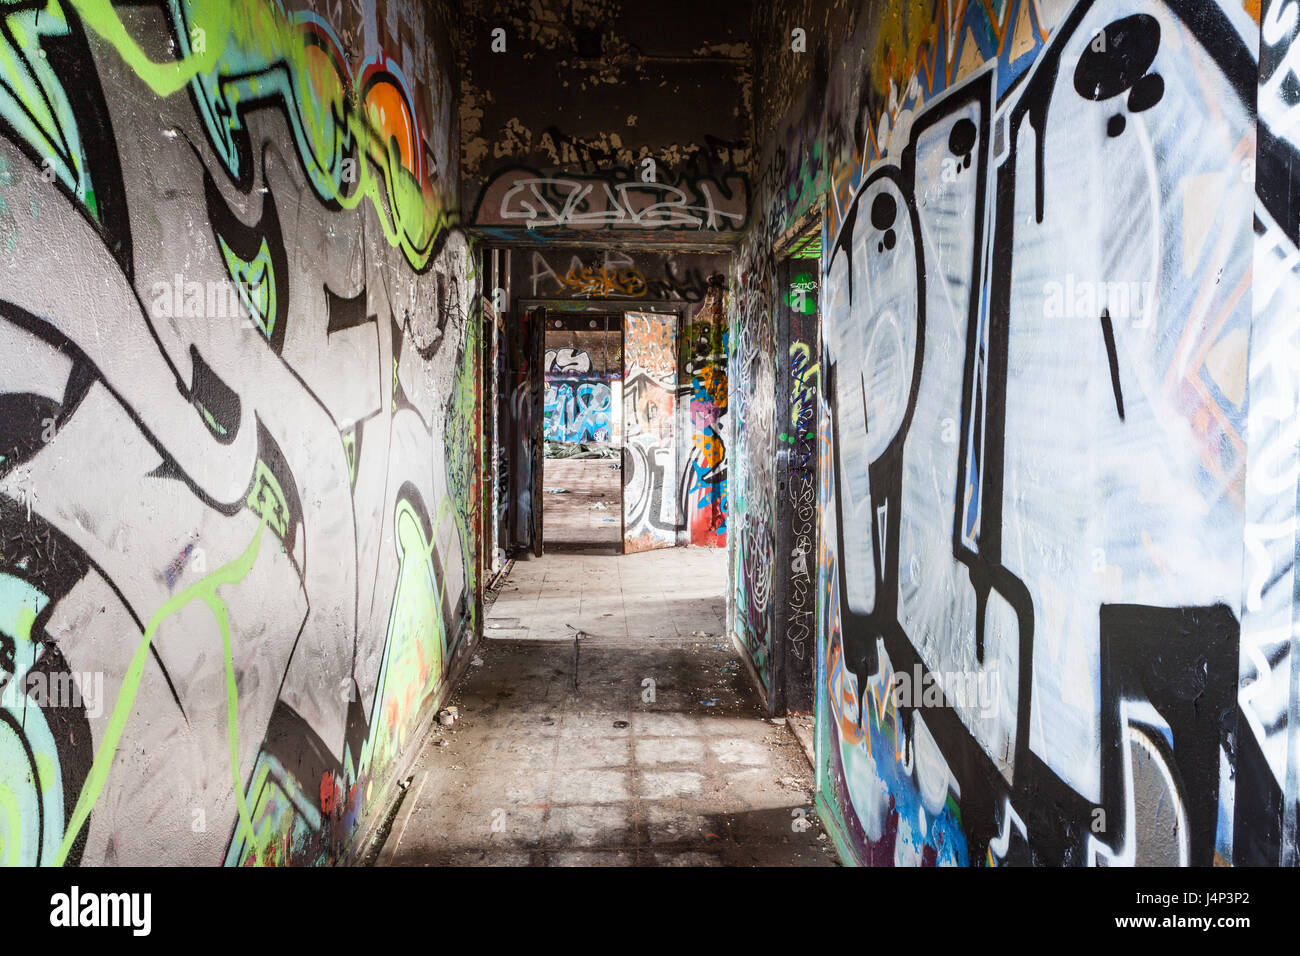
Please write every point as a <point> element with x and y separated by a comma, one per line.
<point>739,646</point>
<point>361,848</point>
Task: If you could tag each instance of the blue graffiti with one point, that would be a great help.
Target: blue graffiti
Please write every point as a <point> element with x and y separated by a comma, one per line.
<point>577,411</point>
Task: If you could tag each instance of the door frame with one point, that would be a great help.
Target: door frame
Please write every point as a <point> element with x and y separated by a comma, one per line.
<point>785,683</point>
<point>559,305</point>
<point>547,314</point>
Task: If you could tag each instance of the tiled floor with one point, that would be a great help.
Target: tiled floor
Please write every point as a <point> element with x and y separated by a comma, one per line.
<point>539,773</point>
<point>634,744</point>
<point>672,594</point>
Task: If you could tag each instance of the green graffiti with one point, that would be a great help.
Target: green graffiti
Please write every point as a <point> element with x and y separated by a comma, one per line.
<point>30,790</point>
<point>416,646</point>
<point>266,499</point>
<point>805,375</point>
<point>412,668</point>
<point>802,297</point>
<point>34,102</point>
<point>350,451</point>
<point>459,439</point>
<point>206,591</point>
<point>233,57</point>
<point>255,281</point>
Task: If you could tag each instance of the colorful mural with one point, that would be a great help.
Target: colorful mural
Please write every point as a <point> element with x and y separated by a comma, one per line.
<point>578,404</point>
<point>1056,241</point>
<point>704,477</point>
<point>238,441</point>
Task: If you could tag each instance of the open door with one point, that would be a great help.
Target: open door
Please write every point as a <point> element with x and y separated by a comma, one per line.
<point>520,415</point>
<point>649,445</point>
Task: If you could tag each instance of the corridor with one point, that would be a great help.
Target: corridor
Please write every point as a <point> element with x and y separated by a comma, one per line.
<point>650,432</point>
<point>633,741</point>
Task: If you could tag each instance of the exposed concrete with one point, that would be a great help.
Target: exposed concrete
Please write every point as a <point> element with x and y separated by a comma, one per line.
<point>582,502</point>
<point>669,595</point>
<point>804,729</point>
<point>536,773</point>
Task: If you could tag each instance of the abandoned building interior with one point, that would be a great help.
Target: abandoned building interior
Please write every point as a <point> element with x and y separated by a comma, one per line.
<point>616,432</point>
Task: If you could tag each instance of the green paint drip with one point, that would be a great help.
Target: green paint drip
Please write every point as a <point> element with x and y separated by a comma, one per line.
<point>232,711</point>
<point>204,590</point>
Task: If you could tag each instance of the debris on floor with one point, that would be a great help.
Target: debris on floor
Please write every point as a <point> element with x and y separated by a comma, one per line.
<point>547,775</point>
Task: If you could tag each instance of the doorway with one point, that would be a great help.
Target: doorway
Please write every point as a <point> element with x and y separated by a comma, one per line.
<point>582,432</point>
<point>797,406</point>
<point>607,430</point>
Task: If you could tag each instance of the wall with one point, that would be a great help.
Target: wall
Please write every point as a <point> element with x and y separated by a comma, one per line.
<point>602,120</point>
<point>611,273</point>
<point>702,487</point>
<point>583,370</point>
<point>752,381</point>
<point>1056,592</point>
<point>239,478</point>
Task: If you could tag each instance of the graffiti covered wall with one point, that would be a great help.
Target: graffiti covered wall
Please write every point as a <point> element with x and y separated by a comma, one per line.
<point>646,132</point>
<point>238,424</point>
<point>703,482</point>
<point>583,372</point>
<point>752,372</point>
<point>574,273</point>
<point>1056,591</point>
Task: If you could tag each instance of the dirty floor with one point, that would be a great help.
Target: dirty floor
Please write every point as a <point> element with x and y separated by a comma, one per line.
<point>582,502</point>
<point>631,751</point>
<point>673,594</point>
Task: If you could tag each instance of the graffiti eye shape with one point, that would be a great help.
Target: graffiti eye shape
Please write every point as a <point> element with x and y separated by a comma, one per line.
<point>883,211</point>
<point>1117,57</point>
<point>1146,92</point>
<point>961,140</point>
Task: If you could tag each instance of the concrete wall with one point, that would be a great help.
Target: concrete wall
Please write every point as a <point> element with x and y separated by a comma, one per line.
<point>238,424</point>
<point>1056,424</point>
<point>601,119</point>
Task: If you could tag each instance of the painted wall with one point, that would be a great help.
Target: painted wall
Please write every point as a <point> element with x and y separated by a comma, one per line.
<point>551,272</point>
<point>238,424</point>
<point>626,121</point>
<point>584,372</point>
<point>1056,582</point>
<point>752,380</point>
<point>702,486</point>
